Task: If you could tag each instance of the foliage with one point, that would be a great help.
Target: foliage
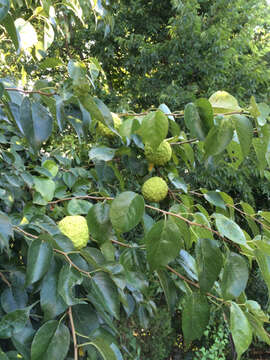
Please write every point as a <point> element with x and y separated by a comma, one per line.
<point>195,248</point>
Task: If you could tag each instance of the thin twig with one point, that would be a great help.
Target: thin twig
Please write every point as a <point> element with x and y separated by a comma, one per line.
<point>5,279</point>
<point>31,91</point>
<point>185,142</point>
<point>73,333</point>
<point>81,197</point>
<point>72,263</point>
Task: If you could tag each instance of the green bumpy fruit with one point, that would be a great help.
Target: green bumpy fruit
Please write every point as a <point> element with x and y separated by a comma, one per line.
<point>105,131</point>
<point>155,189</point>
<point>76,229</point>
<point>161,155</point>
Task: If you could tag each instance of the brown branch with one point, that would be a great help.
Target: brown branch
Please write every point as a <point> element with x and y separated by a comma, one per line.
<point>31,91</point>
<point>81,197</point>
<point>121,244</point>
<point>185,142</point>
<point>73,333</point>
<point>5,279</point>
<point>72,263</point>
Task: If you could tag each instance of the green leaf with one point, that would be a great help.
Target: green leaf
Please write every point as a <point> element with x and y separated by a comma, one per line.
<point>229,229</point>
<point>235,276</point>
<point>105,292</point>
<point>99,224</point>
<point>206,113</point>
<point>27,34</point>
<point>68,278</point>
<point>101,153</point>
<point>257,327</point>
<point>126,211</point>
<point>264,110</point>
<point>209,262</point>
<point>178,182</point>
<point>85,318</point>
<point>76,70</point>
<point>78,207</point>
<point>214,197</point>
<point>169,289</point>
<point>51,341</point>
<point>13,322</point>
<point>51,302</point>
<point>188,263</point>
<point>6,231</point>
<point>129,127</point>
<point>244,130</point>
<point>195,316</point>
<point>162,244</point>
<point>154,128</point>
<point>104,349</point>
<point>219,137</point>
<point>46,187</point>
<point>13,298</point>
<point>240,329</point>
<point>4,9</point>
<point>9,25</point>
<point>250,211</point>
<point>194,122</point>
<point>35,122</point>
<point>263,261</point>
<point>39,258</point>
<point>223,102</point>
<point>51,166</point>
<point>23,339</point>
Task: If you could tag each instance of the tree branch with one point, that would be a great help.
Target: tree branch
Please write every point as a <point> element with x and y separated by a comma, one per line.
<point>73,333</point>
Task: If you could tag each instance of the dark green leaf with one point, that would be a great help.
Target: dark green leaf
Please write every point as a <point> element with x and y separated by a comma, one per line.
<point>235,276</point>
<point>196,315</point>
<point>13,322</point>
<point>104,349</point>
<point>4,8</point>
<point>68,278</point>
<point>178,182</point>
<point>264,264</point>
<point>154,128</point>
<point>6,230</point>
<point>23,339</point>
<point>126,211</point>
<point>194,122</point>
<point>51,341</point>
<point>209,262</point>
<point>189,264</point>
<point>163,243</point>
<point>240,329</point>
<point>51,302</point>
<point>169,289</point>
<point>39,258</point>
<point>105,292</point>
<point>99,223</point>
<point>206,114</point>
<point>13,298</point>
<point>9,25</point>
<point>78,207</point>
<point>219,137</point>
<point>215,198</point>
<point>244,130</point>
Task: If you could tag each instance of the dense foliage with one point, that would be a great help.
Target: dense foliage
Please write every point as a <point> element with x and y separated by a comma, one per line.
<point>199,248</point>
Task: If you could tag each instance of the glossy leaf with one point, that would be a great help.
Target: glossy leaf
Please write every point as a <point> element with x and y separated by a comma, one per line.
<point>188,263</point>
<point>13,322</point>
<point>35,122</point>
<point>78,207</point>
<point>39,258</point>
<point>126,211</point>
<point>168,288</point>
<point>154,128</point>
<point>214,198</point>
<point>6,230</point>
<point>4,8</point>
<point>162,244</point>
<point>51,341</point>
<point>206,113</point>
<point>209,263</point>
<point>244,130</point>
<point>101,153</point>
<point>52,304</point>
<point>68,278</point>
<point>219,138</point>
<point>240,329</point>
<point>99,223</point>
<point>104,349</point>
<point>46,187</point>
<point>229,229</point>
<point>13,298</point>
<point>223,102</point>
<point>195,318</point>
<point>105,292</point>
<point>235,276</point>
<point>194,122</point>
<point>264,264</point>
